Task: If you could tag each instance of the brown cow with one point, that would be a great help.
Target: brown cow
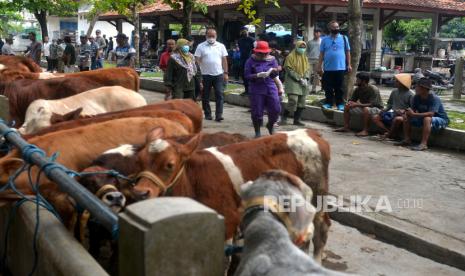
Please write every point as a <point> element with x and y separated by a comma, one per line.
<point>213,176</point>
<point>172,115</point>
<point>122,76</point>
<point>77,149</point>
<point>124,160</point>
<point>188,107</point>
<point>18,64</point>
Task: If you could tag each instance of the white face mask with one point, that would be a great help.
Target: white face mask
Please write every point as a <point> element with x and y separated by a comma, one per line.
<point>211,40</point>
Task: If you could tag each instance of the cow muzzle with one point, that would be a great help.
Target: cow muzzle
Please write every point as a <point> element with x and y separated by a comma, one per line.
<point>113,198</point>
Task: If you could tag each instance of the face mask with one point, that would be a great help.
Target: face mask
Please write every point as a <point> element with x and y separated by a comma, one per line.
<point>300,51</point>
<point>211,40</point>
<point>185,49</point>
<point>334,32</point>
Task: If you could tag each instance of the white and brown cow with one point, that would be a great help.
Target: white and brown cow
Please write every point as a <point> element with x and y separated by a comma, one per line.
<point>213,176</point>
<point>96,101</point>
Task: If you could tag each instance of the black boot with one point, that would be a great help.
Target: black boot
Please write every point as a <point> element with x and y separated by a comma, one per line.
<point>256,126</point>
<point>284,117</point>
<point>270,128</point>
<point>297,115</point>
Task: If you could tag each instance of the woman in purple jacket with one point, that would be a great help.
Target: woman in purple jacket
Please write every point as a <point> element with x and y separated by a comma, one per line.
<point>261,71</point>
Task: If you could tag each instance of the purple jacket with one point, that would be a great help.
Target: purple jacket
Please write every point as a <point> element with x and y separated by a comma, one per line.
<point>261,86</point>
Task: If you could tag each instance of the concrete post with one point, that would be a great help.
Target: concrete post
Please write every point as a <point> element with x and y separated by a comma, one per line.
<point>309,28</point>
<point>434,33</point>
<point>4,108</point>
<point>375,56</point>
<point>171,236</point>
<point>459,76</point>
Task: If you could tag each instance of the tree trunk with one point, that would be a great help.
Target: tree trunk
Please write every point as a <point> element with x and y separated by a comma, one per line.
<point>355,39</point>
<point>136,19</point>
<point>41,17</point>
<point>187,18</point>
<point>92,24</point>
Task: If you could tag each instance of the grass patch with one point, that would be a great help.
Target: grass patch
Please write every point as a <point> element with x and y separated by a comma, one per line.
<point>106,65</point>
<point>152,74</point>
<point>457,120</point>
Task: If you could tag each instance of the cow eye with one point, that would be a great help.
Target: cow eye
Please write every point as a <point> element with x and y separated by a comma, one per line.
<point>170,166</point>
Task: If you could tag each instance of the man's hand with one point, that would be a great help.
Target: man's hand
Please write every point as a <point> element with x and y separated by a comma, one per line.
<point>226,77</point>
<point>349,68</point>
<point>352,104</point>
<point>409,112</point>
<point>320,71</point>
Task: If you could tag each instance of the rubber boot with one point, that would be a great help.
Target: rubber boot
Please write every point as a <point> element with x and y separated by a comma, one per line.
<point>256,126</point>
<point>284,117</point>
<point>297,116</point>
<point>270,128</point>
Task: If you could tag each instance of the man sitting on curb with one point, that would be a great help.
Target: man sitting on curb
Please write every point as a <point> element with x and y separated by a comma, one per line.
<point>426,112</point>
<point>399,100</point>
<point>365,100</point>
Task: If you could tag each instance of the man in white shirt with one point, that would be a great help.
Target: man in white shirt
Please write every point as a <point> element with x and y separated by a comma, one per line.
<point>211,56</point>
<point>313,53</point>
<point>46,50</point>
<point>6,49</point>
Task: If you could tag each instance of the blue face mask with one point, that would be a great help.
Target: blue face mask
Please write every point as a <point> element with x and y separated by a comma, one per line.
<point>300,51</point>
<point>185,49</point>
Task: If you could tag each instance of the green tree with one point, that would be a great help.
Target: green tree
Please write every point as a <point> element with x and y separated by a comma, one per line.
<point>42,8</point>
<point>454,28</point>
<point>415,33</point>
<point>8,19</point>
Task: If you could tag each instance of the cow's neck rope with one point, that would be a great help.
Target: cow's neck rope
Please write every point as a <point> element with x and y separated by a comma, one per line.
<point>264,203</point>
<point>158,182</point>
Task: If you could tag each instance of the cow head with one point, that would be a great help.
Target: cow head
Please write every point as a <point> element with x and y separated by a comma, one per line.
<point>58,118</point>
<point>163,163</point>
<point>105,187</point>
<point>36,120</point>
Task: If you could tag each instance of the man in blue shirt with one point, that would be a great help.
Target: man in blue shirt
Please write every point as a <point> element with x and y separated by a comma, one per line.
<point>427,112</point>
<point>333,63</point>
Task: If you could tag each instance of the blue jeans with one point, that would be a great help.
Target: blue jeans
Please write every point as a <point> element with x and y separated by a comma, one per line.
<point>93,64</point>
<point>217,82</point>
<point>99,63</point>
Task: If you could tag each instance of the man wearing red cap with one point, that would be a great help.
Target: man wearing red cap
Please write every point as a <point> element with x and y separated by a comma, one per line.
<point>261,71</point>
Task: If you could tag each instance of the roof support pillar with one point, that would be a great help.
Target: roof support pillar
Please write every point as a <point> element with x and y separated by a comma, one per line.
<point>219,22</point>
<point>119,25</point>
<point>309,11</point>
<point>261,29</point>
<point>434,33</point>
<point>375,56</point>
<point>295,26</point>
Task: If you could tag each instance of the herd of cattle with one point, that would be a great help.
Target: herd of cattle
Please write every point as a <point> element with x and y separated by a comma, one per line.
<point>96,121</point>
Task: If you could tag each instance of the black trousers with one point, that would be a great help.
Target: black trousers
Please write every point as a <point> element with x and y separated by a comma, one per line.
<point>332,82</point>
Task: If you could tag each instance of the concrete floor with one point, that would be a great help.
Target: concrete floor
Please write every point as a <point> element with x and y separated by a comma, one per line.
<point>433,179</point>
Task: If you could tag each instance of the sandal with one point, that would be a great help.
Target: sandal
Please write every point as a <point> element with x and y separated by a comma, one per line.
<point>419,147</point>
<point>403,143</point>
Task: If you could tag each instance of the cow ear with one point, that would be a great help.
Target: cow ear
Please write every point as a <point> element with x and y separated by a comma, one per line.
<point>9,167</point>
<point>192,145</point>
<point>73,115</point>
<point>58,118</point>
<point>154,134</point>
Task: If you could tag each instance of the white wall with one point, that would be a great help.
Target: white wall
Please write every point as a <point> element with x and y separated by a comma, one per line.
<point>53,25</point>
<point>104,26</point>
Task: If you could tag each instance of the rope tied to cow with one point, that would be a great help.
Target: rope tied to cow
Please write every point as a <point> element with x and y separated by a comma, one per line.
<point>164,189</point>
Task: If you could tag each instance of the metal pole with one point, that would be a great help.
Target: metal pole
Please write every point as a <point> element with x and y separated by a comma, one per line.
<point>67,184</point>
<point>458,83</point>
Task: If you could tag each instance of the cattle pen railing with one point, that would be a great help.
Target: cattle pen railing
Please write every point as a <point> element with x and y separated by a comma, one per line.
<point>165,236</point>
<point>85,200</point>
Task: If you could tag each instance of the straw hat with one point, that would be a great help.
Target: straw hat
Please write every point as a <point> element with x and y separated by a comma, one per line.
<point>404,79</point>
